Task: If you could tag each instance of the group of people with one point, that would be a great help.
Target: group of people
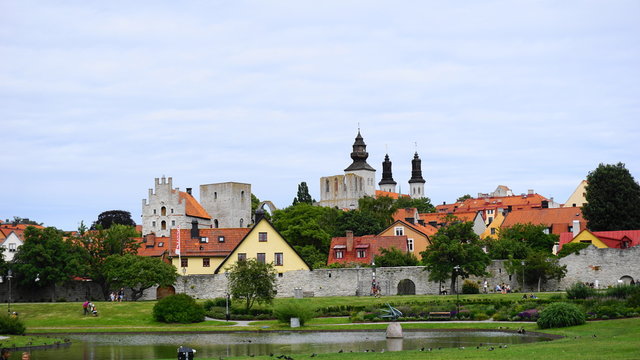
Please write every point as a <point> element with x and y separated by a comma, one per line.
<point>503,288</point>
<point>89,308</point>
<point>119,296</point>
<point>5,354</point>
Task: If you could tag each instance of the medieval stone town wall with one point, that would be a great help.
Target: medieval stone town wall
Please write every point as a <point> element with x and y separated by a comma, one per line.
<point>607,266</point>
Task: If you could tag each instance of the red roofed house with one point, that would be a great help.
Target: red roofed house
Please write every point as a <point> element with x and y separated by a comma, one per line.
<point>438,219</point>
<point>12,237</point>
<point>557,220</point>
<point>362,249</point>
<point>622,239</point>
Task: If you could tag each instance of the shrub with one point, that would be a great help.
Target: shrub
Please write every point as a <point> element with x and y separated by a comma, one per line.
<point>180,308</point>
<point>561,314</point>
<point>11,325</point>
<point>470,287</point>
<point>529,315</point>
<point>579,291</point>
<point>622,291</point>
<point>293,309</point>
<point>217,302</point>
<point>480,316</point>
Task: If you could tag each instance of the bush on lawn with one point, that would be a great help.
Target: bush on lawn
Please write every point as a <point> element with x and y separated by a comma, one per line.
<point>180,308</point>
<point>11,325</point>
<point>561,315</point>
<point>580,291</point>
<point>293,309</point>
<point>470,287</point>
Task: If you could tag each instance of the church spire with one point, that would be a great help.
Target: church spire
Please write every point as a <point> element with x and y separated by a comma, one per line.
<point>387,183</point>
<point>359,155</point>
<point>416,183</point>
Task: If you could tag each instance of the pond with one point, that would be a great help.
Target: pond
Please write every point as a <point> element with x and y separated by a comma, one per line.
<point>164,346</point>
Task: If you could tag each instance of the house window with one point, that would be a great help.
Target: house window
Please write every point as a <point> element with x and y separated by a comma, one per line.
<point>206,262</point>
<point>410,245</point>
<point>242,195</point>
<point>241,222</point>
<point>490,211</point>
<point>215,195</point>
<point>546,231</point>
<point>154,211</point>
<point>242,257</point>
<point>153,224</point>
<point>215,223</point>
<point>172,210</point>
<point>399,231</point>
<point>184,262</point>
<point>585,241</point>
<point>570,229</point>
<point>261,258</point>
<point>326,185</point>
<point>278,259</point>
<point>163,211</point>
<point>493,231</point>
<point>262,237</point>
<point>220,238</point>
<point>490,220</point>
<point>163,225</point>
<point>339,254</point>
<point>360,253</point>
<point>160,244</point>
<point>12,247</point>
<point>280,274</point>
<point>173,223</point>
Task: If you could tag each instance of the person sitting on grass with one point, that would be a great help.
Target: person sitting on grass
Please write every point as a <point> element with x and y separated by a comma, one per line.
<point>5,354</point>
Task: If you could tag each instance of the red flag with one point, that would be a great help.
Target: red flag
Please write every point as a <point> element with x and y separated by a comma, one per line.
<point>178,244</point>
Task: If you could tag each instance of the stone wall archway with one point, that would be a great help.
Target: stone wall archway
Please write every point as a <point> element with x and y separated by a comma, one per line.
<point>406,287</point>
<point>162,292</point>
<point>627,280</point>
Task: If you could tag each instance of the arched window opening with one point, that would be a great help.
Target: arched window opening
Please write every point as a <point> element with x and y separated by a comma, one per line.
<point>241,222</point>
<point>215,223</point>
<point>215,195</point>
<point>242,195</point>
<point>163,211</point>
<point>163,225</point>
<point>326,185</point>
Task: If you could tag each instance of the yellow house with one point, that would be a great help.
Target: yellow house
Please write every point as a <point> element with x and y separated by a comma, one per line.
<point>264,243</point>
<point>578,197</point>
<point>493,228</point>
<point>586,236</point>
<point>417,237</point>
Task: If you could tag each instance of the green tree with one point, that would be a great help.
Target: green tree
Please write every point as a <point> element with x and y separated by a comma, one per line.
<point>394,257</point>
<point>138,273</point>
<point>303,224</point>
<point>303,195</point>
<point>539,267</point>
<point>20,220</point>
<point>572,248</point>
<point>422,204</point>
<point>255,202</point>
<point>108,218</point>
<point>46,258</point>
<point>381,208</point>
<point>99,244</point>
<point>455,244</point>
<point>464,197</point>
<point>313,256</point>
<point>252,281</point>
<point>519,240</point>
<point>613,199</point>
<point>360,222</point>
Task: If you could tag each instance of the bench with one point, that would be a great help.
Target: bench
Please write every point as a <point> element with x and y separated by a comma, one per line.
<point>439,315</point>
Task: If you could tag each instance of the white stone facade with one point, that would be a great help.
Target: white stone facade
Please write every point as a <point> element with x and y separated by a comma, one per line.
<point>342,191</point>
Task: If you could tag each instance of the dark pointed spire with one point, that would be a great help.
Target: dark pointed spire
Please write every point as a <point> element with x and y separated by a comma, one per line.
<point>416,170</point>
<point>359,155</point>
<point>387,176</point>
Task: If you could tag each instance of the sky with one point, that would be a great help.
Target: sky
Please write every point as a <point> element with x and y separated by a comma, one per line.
<point>98,98</point>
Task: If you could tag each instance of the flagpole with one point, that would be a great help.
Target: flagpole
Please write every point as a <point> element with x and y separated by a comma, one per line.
<point>178,246</point>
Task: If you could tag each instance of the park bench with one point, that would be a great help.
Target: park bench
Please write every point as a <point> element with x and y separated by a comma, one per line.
<point>439,315</point>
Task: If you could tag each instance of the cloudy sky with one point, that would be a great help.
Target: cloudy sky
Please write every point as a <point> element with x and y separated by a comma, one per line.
<point>98,98</point>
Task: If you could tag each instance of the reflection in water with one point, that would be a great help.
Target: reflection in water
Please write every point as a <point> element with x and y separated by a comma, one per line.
<point>156,346</point>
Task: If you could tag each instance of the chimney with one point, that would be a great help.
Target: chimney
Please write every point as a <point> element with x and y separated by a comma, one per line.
<point>189,191</point>
<point>349,240</point>
<point>530,192</point>
<point>194,229</point>
<point>576,228</point>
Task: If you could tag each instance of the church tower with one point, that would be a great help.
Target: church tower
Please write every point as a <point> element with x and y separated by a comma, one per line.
<point>387,183</point>
<point>360,167</point>
<point>416,183</point>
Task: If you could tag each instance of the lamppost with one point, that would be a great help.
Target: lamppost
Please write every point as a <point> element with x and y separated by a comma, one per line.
<point>457,270</point>
<point>9,276</point>
<point>522,263</point>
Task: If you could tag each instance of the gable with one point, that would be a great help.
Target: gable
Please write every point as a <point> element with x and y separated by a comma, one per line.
<point>251,245</point>
<point>587,236</point>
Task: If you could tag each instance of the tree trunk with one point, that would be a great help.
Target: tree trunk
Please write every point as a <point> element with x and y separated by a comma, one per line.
<point>539,282</point>
<point>454,289</point>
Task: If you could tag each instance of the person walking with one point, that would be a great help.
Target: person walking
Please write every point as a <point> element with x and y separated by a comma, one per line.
<point>85,307</point>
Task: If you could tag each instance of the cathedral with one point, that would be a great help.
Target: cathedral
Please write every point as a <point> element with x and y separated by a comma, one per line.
<point>358,181</point>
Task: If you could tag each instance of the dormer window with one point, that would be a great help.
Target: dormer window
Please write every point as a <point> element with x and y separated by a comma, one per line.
<point>221,239</point>
<point>399,231</point>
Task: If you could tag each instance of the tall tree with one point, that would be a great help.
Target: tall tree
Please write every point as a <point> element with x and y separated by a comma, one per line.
<point>46,259</point>
<point>303,195</point>
<point>106,219</point>
<point>138,273</point>
<point>455,244</point>
<point>305,224</point>
<point>519,240</point>
<point>613,199</point>
<point>381,208</point>
<point>252,281</point>
<point>102,243</point>
<point>360,222</point>
<point>20,220</point>
<point>538,268</point>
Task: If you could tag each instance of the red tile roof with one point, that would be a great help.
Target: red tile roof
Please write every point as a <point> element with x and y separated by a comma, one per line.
<point>558,219</point>
<point>613,239</point>
<point>7,228</point>
<point>411,213</point>
<point>393,195</point>
<point>517,202</point>
<point>195,247</point>
<point>371,243</point>
<point>440,217</point>
<point>192,206</point>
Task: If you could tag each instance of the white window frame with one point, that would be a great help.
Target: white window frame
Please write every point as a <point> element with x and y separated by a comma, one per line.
<point>399,231</point>
<point>410,245</point>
